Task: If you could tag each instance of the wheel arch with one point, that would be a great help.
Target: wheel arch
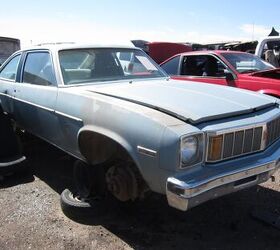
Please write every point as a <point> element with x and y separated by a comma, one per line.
<point>98,145</point>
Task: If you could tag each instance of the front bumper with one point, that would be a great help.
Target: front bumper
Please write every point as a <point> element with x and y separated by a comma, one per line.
<point>185,191</point>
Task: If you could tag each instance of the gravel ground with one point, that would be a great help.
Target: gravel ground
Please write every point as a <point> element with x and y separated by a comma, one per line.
<point>31,218</point>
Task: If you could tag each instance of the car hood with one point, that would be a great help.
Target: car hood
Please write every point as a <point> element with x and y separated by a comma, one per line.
<point>190,102</point>
<point>272,73</point>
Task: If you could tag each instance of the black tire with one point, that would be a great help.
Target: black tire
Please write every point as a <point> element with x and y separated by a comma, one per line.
<point>83,211</point>
<point>89,180</point>
<point>73,207</point>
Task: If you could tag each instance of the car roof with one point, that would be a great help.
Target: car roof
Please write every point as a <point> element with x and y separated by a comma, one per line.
<point>66,46</point>
<point>205,52</point>
<point>210,52</point>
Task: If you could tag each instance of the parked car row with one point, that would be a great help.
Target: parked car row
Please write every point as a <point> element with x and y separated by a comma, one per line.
<point>137,130</point>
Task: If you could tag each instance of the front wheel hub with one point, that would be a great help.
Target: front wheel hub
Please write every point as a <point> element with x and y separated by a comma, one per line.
<point>122,183</point>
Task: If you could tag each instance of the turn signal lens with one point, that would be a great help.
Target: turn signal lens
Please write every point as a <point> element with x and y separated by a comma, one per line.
<point>215,148</point>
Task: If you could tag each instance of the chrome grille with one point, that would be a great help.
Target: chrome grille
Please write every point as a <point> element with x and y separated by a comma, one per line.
<point>239,142</point>
<point>273,131</point>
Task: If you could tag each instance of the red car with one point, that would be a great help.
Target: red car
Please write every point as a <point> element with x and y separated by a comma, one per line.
<point>231,68</point>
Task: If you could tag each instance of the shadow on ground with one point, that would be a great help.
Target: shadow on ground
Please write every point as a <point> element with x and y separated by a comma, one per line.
<point>224,223</point>
<point>15,179</point>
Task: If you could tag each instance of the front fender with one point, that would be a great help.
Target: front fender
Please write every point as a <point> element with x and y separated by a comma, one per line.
<point>98,144</point>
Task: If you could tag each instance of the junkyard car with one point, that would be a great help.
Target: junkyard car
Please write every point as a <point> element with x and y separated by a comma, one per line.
<point>230,68</point>
<point>192,142</point>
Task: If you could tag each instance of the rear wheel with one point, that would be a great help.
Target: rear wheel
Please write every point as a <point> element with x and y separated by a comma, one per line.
<point>73,206</point>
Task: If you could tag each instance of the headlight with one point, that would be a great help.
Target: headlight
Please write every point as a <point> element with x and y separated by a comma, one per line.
<point>192,148</point>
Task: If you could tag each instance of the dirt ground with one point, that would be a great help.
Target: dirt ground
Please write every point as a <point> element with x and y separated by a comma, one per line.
<point>31,218</point>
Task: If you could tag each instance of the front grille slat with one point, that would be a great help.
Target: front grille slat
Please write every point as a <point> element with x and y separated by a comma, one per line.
<point>257,139</point>
<point>248,140</point>
<point>238,143</point>
<point>278,128</point>
<point>228,145</point>
<point>273,131</point>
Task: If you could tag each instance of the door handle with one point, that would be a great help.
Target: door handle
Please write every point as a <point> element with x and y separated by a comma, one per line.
<point>6,92</point>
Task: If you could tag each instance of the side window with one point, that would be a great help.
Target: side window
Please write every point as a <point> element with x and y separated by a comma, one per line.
<point>38,69</point>
<point>191,66</point>
<point>10,70</point>
<point>203,65</point>
<point>171,67</point>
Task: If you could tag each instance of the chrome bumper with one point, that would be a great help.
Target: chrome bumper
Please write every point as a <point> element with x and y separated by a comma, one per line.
<point>185,193</point>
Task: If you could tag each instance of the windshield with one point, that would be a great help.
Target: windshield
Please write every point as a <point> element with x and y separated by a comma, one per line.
<point>245,63</point>
<point>106,64</point>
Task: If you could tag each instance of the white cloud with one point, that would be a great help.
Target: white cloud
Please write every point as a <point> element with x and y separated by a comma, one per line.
<point>255,31</point>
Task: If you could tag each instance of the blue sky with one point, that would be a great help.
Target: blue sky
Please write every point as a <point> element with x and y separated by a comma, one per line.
<point>123,20</point>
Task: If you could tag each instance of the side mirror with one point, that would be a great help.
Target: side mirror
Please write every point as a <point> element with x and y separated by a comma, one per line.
<point>228,75</point>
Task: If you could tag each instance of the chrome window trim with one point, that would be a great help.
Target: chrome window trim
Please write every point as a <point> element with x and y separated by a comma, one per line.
<point>49,110</point>
<point>34,104</point>
<point>8,80</point>
<point>68,116</point>
<point>33,51</point>
<point>4,94</point>
<point>2,67</point>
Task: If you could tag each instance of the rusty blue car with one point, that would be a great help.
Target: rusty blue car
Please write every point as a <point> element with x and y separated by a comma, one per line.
<point>135,130</point>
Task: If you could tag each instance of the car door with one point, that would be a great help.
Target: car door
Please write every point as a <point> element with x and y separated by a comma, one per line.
<point>35,95</point>
<point>203,68</point>
<point>8,75</point>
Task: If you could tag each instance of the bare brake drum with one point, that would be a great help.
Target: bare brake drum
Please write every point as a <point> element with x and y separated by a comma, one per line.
<point>124,182</point>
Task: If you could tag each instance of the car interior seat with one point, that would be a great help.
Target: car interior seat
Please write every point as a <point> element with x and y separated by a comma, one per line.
<point>190,67</point>
<point>211,67</point>
<point>106,66</point>
<point>271,58</point>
